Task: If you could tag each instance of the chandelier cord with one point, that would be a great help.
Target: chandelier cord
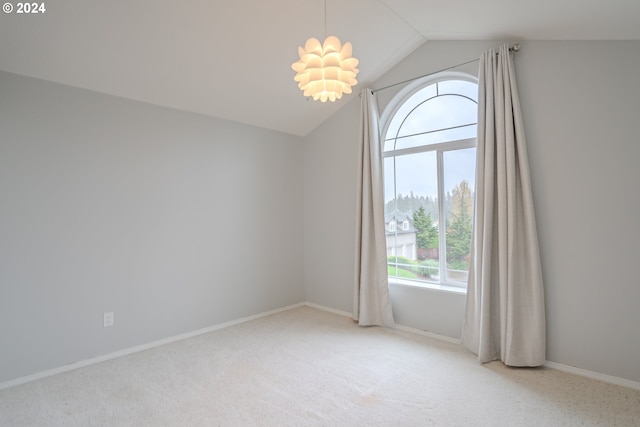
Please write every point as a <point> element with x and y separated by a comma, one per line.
<point>325,19</point>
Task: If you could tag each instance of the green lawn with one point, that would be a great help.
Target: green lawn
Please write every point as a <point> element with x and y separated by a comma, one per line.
<point>400,273</point>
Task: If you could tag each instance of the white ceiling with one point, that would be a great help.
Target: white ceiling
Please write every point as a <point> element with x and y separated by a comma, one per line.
<point>231,59</point>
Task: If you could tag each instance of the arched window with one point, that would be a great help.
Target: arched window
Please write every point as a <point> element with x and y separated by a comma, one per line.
<point>429,174</point>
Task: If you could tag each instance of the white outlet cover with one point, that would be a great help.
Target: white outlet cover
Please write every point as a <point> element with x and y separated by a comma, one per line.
<point>108,319</point>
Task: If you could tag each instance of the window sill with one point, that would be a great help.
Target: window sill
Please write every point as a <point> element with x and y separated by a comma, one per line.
<point>430,286</point>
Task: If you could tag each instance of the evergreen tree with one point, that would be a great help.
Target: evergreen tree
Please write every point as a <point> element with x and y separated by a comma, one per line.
<point>426,232</point>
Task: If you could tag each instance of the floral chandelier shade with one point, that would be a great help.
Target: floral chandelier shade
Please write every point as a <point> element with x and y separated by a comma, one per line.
<point>325,71</point>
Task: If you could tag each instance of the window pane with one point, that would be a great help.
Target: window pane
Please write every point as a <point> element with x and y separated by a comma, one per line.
<point>461,87</point>
<point>412,250</point>
<point>437,176</point>
<point>459,185</point>
<point>433,138</point>
<point>405,109</point>
<point>443,112</point>
<point>436,120</point>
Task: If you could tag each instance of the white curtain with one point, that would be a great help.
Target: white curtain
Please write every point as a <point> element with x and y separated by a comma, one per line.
<point>371,302</point>
<point>505,314</point>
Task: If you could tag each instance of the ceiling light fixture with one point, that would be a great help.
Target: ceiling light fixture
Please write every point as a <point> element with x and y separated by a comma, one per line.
<point>325,71</point>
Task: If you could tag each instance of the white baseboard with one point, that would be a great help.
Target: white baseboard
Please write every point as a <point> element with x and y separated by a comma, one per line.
<point>553,365</point>
<point>593,375</point>
<point>142,347</point>
<point>83,363</point>
<point>330,310</point>
<point>428,334</point>
<point>398,327</point>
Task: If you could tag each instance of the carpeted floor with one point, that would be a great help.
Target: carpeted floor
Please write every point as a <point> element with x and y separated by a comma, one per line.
<point>307,367</point>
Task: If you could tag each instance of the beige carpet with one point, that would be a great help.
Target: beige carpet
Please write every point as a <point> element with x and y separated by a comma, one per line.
<point>306,367</point>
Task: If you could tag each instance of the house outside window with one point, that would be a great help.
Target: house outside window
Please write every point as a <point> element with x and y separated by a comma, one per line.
<point>429,174</point>
<point>401,241</point>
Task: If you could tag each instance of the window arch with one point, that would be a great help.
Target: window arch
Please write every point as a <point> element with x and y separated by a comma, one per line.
<point>429,140</point>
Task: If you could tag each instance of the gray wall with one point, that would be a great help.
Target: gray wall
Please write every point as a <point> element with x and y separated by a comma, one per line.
<point>580,101</point>
<point>330,159</point>
<point>171,220</point>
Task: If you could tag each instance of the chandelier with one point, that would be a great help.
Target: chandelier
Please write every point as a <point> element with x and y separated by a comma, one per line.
<point>325,71</point>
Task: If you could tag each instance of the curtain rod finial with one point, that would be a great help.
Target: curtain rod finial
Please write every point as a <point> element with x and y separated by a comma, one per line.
<point>515,47</point>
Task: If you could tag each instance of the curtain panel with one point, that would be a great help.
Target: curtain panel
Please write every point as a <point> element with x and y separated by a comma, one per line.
<point>371,301</point>
<point>505,314</point>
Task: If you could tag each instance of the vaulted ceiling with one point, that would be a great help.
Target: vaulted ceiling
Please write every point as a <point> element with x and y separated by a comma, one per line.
<point>232,59</point>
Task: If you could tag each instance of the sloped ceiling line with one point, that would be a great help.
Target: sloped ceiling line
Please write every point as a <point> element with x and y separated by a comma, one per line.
<point>232,60</point>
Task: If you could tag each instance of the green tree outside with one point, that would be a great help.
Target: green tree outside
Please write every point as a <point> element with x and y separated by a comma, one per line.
<point>426,232</point>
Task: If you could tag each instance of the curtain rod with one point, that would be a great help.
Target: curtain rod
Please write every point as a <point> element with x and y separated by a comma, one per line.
<point>514,48</point>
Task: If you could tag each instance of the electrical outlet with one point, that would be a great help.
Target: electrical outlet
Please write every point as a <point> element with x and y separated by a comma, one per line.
<point>108,319</point>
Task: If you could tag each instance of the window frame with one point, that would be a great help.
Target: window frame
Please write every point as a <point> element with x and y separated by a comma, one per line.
<point>386,118</point>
